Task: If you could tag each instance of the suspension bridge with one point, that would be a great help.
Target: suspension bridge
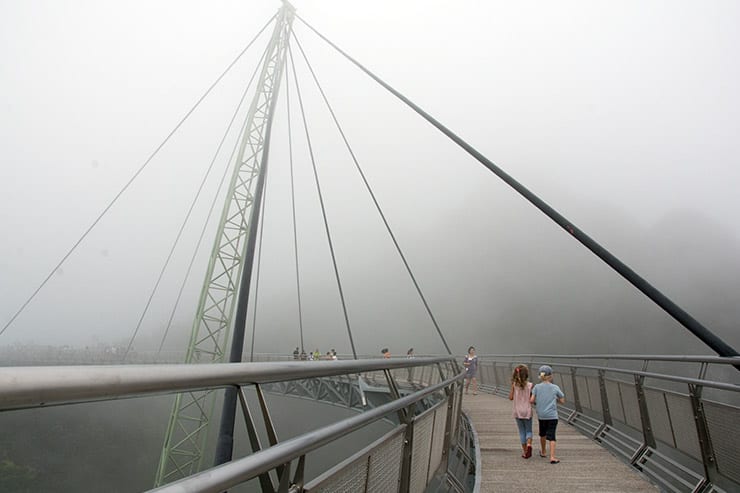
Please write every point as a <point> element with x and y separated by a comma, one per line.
<point>665,424</point>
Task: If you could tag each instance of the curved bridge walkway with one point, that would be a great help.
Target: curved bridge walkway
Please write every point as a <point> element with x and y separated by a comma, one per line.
<point>585,466</point>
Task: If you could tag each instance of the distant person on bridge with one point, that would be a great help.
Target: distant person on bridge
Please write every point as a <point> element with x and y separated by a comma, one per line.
<point>296,353</point>
<point>471,370</point>
<point>545,397</point>
<point>386,354</point>
<point>521,392</point>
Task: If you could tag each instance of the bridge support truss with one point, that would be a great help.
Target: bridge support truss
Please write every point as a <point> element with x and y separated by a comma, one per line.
<point>182,453</point>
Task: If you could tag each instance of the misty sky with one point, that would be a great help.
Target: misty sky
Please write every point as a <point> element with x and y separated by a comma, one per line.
<point>624,116</point>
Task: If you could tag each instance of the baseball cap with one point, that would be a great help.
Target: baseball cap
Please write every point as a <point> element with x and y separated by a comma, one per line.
<point>545,370</point>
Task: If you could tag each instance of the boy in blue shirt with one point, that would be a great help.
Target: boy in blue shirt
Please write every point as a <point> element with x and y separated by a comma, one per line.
<point>545,397</point>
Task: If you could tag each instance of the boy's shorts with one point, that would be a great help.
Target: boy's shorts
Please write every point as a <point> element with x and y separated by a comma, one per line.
<point>547,428</point>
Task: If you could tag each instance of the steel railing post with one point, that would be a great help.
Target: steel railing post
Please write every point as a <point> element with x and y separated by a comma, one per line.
<point>576,397</point>
<point>605,412</point>
<point>264,478</point>
<point>647,429</point>
<point>404,480</point>
<point>705,440</point>
<point>450,393</point>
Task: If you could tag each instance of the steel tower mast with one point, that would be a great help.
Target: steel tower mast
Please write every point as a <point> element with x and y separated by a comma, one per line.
<point>182,452</point>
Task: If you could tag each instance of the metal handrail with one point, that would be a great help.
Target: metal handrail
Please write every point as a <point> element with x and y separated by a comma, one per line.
<point>660,376</point>
<point>636,357</point>
<point>238,471</point>
<point>44,386</point>
<point>37,386</point>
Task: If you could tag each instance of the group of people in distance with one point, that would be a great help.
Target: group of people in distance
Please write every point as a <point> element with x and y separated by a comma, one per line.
<point>315,356</point>
<point>544,396</point>
<point>387,353</point>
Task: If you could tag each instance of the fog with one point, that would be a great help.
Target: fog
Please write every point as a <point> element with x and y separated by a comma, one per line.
<point>622,116</point>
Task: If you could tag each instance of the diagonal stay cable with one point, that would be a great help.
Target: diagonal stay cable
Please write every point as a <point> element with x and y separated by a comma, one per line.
<point>678,313</point>
<point>321,202</point>
<point>131,180</point>
<point>190,212</point>
<point>375,200</point>
<point>292,203</point>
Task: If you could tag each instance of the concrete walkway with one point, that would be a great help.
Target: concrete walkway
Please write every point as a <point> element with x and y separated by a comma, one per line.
<point>585,466</point>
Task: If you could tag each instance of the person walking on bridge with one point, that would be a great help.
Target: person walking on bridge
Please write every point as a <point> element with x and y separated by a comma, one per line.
<point>521,393</point>
<point>545,397</point>
<point>471,370</point>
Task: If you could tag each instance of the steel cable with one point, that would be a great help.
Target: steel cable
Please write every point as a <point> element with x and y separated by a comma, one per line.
<point>323,208</point>
<point>292,203</point>
<point>131,180</point>
<point>678,313</point>
<point>375,200</point>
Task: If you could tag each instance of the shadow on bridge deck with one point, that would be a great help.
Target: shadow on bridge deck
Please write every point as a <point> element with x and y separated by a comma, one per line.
<point>585,466</point>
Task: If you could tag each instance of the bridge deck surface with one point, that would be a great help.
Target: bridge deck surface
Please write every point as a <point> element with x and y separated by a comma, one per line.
<point>585,466</point>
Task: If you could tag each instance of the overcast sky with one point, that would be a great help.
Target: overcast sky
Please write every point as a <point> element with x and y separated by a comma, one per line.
<point>624,116</point>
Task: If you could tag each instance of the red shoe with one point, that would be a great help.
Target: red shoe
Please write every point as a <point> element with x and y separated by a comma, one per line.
<point>528,453</point>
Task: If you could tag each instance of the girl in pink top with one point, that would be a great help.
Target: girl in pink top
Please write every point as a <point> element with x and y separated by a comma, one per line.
<point>521,390</point>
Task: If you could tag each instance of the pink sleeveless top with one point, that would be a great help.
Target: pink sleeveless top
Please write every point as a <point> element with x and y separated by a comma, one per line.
<point>522,407</point>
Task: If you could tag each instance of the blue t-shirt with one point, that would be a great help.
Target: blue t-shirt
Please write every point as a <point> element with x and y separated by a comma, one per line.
<point>546,395</point>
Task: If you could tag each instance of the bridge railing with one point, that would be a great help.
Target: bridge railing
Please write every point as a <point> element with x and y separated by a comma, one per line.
<point>675,418</point>
<point>406,459</point>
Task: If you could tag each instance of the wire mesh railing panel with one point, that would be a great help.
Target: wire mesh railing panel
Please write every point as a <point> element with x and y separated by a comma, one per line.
<point>660,417</point>
<point>451,369</point>
<point>420,451</point>
<point>428,375</point>
<point>502,375</point>
<point>434,375</point>
<point>400,375</point>
<point>615,401</point>
<point>583,393</point>
<point>630,405</point>
<point>352,477</point>
<point>413,375</point>
<point>438,439</point>
<point>565,383</point>
<point>493,377</point>
<point>353,474</point>
<point>482,373</point>
<point>724,432</point>
<point>384,469</point>
<point>594,392</point>
<point>682,416</point>
<point>374,377</point>
<point>488,376</point>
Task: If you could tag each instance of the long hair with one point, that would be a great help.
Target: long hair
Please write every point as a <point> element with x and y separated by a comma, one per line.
<point>520,376</point>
